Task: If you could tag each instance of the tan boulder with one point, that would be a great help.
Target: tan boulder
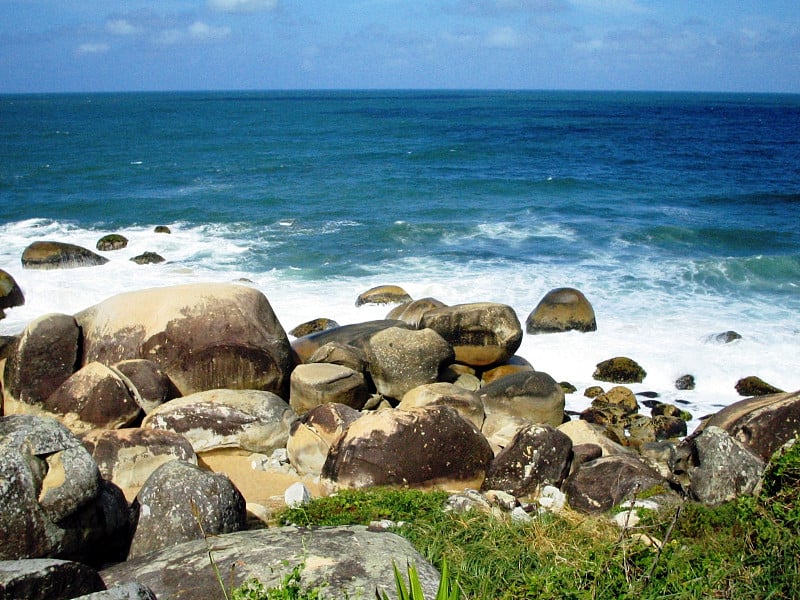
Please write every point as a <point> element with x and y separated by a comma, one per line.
<point>202,336</point>
<point>412,312</point>
<point>345,355</point>
<point>481,334</point>
<point>251,420</point>
<point>313,434</point>
<point>515,364</point>
<point>584,433</point>
<point>417,447</point>
<point>562,309</point>
<point>320,383</point>
<point>401,359</point>
<point>620,396</point>
<point>466,402</point>
<point>356,334</point>
<point>534,396</point>
<point>383,294</point>
<point>59,255</point>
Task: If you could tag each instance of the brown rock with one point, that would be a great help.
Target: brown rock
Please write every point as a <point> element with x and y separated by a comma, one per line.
<point>10,293</point>
<point>59,255</point>
<point>754,386</point>
<point>148,384</point>
<point>515,364</point>
<point>562,309</point>
<point>619,396</point>
<point>619,370</point>
<point>313,326</point>
<point>357,335</point>
<point>112,241</point>
<point>345,355</point>
<point>148,258</point>
<point>466,402</point>
<point>383,294</point>
<point>412,312</point>
<point>313,434</point>
<point>320,383</point>
<point>534,396</point>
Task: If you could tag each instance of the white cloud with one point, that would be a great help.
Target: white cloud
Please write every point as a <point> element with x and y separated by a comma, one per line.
<point>84,49</point>
<point>122,27</point>
<point>243,6</point>
<point>196,32</point>
<point>504,37</point>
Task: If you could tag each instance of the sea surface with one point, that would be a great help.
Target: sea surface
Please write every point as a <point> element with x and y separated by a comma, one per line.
<point>677,215</point>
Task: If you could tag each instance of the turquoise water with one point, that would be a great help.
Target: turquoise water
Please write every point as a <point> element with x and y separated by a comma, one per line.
<point>677,214</point>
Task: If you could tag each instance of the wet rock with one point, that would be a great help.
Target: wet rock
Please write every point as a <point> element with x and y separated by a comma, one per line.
<point>481,334</point>
<point>112,241</point>
<point>685,382</point>
<point>313,326</point>
<point>162,229</point>
<point>667,427</point>
<point>593,391</point>
<point>383,294</point>
<point>669,410</point>
<point>59,255</point>
<point>534,396</point>
<point>148,258</point>
<point>466,402</point>
<point>754,386</point>
<point>619,370</point>
<point>412,312</point>
<point>10,293</point>
<point>177,500</point>
<point>47,579</point>
<point>320,383</point>
<point>562,309</point>
<point>617,396</point>
<point>313,434</point>
<point>726,337</point>
<point>409,447</point>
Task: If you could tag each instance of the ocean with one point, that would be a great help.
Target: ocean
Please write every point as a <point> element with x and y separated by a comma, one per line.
<point>676,214</point>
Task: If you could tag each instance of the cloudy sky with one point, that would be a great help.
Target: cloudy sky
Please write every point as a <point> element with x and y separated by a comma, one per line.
<point>110,45</point>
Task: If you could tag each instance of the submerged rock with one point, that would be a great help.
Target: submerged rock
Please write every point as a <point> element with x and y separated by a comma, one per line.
<point>112,241</point>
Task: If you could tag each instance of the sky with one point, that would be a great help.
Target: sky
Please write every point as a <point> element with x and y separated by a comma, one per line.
<point>678,45</point>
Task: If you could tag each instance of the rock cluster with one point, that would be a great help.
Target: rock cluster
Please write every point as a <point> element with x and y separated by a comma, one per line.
<point>157,418</point>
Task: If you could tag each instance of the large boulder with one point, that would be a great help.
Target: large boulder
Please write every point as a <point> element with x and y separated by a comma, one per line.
<point>715,467</point>
<point>346,562</point>
<point>538,455</point>
<point>562,309</point>
<point>599,485</point>
<point>94,397</point>
<point>402,359</point>
<point>763,423</point>
<point>482,334</point>
<point>42,358</point>
<point>410,447</point>
<point>383,294</point>
<point>47,579</point>
<point>202,336</point>
<point>466,402</point>
<point>127,457</point>
<point>182,502</point>
<point>321,383</point>
<point>313,434</point>
<point>59,255</point>
<point>411,312</point>
<point>250,420</point>
<point>356,334</point>
<point>532,395</point>
<point>10,293</point>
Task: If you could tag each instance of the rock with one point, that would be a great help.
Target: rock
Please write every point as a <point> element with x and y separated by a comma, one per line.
<point>466,402</point>
<point>313,434</point>
<point>481,334</point>
<point>668,427</point>
<point>47,579</point>
<point>10,293</point>
<point>593,391</point>
<point>126,591</point>
<point>562,309</point>
<point>345,561</point>
<point>500,430</point>
<point>148,384</point>
<point>297,495</point>
<point>599,485</point>
<point>538,455</point>
<point>717,467</point>
<point>669,410</point>
<point>112,241</point>
<point>763,423</point>
<point>409,447</point>
<point>313,326</point>
<point>162,229</point>
<point>251,420</point>
<point>583,432</point>
<point>753,386</point>
<point>345,355</point>
<point>402,359</point>
<point>357,335</point>
<point>660,455</point>
<point>127,457</point>
<point>148,258</point>
<point>552,499</point>
<point>515,364</point>
<point>467,500</point>
<point>59,255</point>
<point>534,396</point>
<point>685,382</point>
<point>567,387</point>
<point>383,294</point>
<point>320,383</point>
<point>94,397</point>
<point>619,370</point>
<point>412,312</point>
<point>43,357</point>
<point>47,476</point>
<point>182,502</point>
<point>619,396</point>
<point>726,337</point>
<point>202,336</point>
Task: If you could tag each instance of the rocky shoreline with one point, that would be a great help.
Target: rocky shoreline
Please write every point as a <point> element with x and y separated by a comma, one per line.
<point>127,424</point>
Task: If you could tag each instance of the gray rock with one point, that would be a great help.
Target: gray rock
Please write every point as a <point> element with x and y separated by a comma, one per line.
<point>336,353</point>
<point>481,334</point>
<point>59,255</point>
<point>562,309</point>
<point>401,359</point>
<point>148,258</point>
<point>533,395</point>
<point>351,561</point>
<point>126,591</point>
<point>177,500</point>
<point>718,467</point>
<point>685,382</point>
<point>356,334</point>
<point>538,455</point>
<point>321,383</point>
<point>47,579</point>
<point>409,447</point>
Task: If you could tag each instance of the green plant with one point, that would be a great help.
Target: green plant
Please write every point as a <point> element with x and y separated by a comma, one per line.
<point>290,588</point>
<point>447,590</point>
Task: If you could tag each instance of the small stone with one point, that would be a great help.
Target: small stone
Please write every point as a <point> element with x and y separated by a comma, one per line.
<point>685,382</point>
<point>518,515</point>
<point>296,495</point>
<point>162,229</point>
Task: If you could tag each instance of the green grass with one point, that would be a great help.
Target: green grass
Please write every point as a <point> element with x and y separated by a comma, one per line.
<point>748,548</point>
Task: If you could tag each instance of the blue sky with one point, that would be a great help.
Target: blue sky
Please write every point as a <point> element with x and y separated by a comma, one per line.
<point>111,45</point>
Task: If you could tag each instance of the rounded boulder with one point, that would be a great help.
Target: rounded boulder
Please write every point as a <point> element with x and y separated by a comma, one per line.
<point>320,383</point>
<point>562,309</point>
<point>533,395</point>
<point>313,434</point>
<point>59,255</point>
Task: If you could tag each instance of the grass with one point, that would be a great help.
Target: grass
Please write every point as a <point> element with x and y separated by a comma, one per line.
<point>748,548</point>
